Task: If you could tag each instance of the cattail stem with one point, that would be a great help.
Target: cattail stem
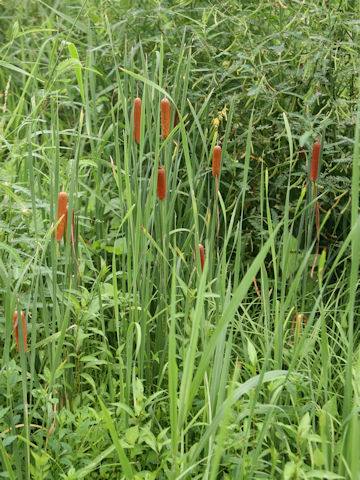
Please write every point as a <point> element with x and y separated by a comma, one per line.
<point>314,171</point>
<point>161,332</point>
<point>317,219</point>
<point>217,207</point>
<point>214,226</point>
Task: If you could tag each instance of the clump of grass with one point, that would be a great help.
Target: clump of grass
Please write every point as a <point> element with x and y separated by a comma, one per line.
<point>123,300</point>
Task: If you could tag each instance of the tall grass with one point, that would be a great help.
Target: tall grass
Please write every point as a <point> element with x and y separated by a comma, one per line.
<point>141,361</point>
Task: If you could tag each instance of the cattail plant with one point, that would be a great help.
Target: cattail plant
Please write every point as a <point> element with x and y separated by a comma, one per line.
<point>137,119</point>
<point>216,161</point>
<point>62,213</point>
<point>161,184</point>
<point>314,171</point>
<point>315,162</point>
<point>16,330</point>
<point>165,117</point>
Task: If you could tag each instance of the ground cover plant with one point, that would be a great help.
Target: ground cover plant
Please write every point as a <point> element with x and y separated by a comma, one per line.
<point>179,240</point>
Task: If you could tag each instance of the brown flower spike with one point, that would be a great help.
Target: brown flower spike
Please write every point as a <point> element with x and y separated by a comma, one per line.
<point>315,162</point>
<point>137,119</point>
<point>165,117</point>
<point>202,255</point>
<point>161,184</point>
<point>216,161</point>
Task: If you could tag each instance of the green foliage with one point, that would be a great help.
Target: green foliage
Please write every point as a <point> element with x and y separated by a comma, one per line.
<point>139,364</point>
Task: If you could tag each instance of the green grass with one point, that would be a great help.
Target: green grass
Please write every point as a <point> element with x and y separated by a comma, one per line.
<point>140,364</point>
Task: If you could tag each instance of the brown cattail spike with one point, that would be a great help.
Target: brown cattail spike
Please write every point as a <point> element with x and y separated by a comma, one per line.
<point>165,117</point>
<point>62,211</point>
<point>202,256</point>
<point>16,329</point>
<point>216,161</point>
<point>315,161</point>
<point>137,119</point>
<point>161,184</point>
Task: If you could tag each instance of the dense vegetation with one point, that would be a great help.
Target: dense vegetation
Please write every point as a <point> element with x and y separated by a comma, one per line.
<point>132,358</point>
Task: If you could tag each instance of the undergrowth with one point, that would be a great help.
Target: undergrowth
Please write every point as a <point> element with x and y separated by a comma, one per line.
<point>143,361</point>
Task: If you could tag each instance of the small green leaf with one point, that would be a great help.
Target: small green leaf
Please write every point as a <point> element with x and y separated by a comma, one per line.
<point>323,474</point>
<point>132,434</point>
<point>78,72</point>
<point>319,460</point>
<point>120,247</point>
<point>304,426</point>
<point>290,471</point>
<point>252,353</point>
<point>89,379</point>
<point>148,437</point>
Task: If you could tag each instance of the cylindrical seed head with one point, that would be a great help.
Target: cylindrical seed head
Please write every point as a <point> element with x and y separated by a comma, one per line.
<point>216,161</point>
<point>161,184</point>
<point>137,119</point>
<point>165,117</point>
<point>315,161</point>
